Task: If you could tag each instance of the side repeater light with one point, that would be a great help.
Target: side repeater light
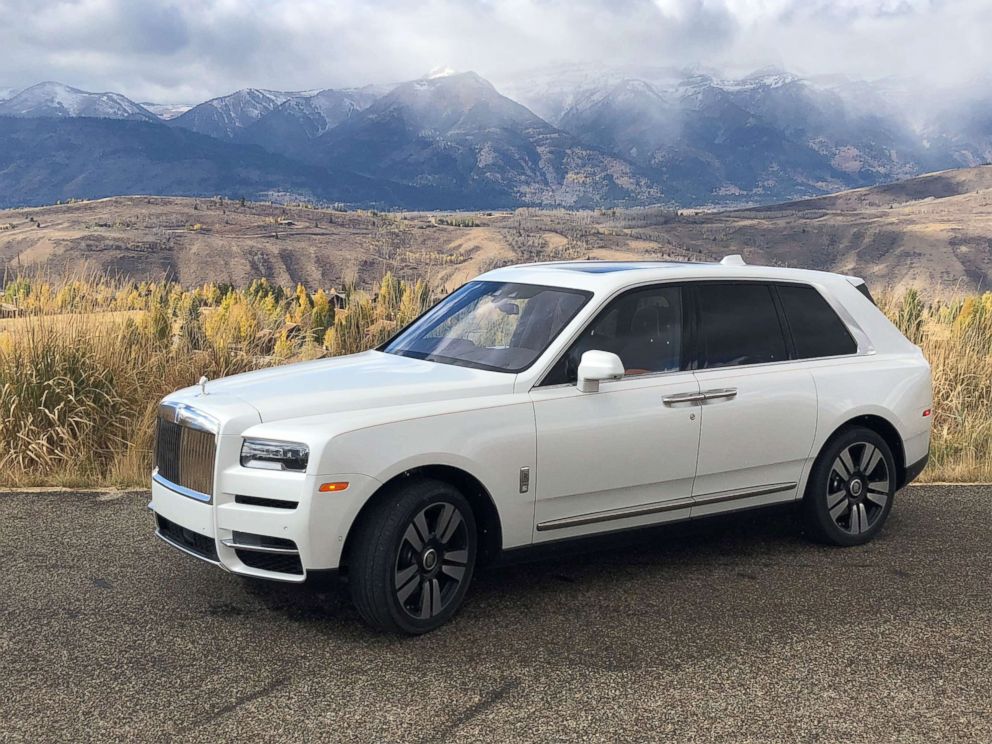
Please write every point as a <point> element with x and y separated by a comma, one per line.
<point>333,487</point>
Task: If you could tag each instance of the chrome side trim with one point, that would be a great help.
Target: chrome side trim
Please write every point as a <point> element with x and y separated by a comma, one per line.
<point>665,506</point>
<point>744,493</point>
<point>183,548</point>
<point>608,516</point>
<point>181,490</point>
<point>230,543</point>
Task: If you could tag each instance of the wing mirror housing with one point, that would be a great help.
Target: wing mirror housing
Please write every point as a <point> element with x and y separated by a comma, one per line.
<point>597,366</point>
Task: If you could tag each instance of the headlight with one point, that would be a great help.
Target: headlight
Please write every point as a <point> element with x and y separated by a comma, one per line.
<point>269,455</point>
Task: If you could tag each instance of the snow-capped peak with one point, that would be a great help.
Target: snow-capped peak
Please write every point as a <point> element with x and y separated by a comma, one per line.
<point>226,115</point>
<point>166,111</point>
<point>768,77</point>
<point>55,100</point>
<point>440,72</point>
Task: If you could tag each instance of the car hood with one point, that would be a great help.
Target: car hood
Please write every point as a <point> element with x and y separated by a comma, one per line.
<point>360,381</point>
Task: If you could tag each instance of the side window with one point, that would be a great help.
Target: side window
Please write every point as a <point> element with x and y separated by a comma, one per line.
<point>738,324</point>
<point>643,327</point>
<point>816,329</point>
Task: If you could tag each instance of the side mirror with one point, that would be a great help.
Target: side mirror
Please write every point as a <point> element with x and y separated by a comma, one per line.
<point>596,366</point>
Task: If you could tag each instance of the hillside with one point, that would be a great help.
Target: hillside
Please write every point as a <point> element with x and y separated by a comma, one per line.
<point>53,159</point>
<point>933,232</point>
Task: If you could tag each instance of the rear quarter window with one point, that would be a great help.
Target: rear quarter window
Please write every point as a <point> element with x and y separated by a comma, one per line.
<point>863,289</point>
<point>816,329</point>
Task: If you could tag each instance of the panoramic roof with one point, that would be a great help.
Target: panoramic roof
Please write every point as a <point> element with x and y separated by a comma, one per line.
<point>597,275</point>
<point>609,267</point>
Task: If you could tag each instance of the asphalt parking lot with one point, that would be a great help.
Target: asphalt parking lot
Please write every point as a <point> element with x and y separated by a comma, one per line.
<point>731,630</point>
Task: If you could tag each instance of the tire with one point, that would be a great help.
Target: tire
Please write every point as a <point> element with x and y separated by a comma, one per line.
<point>850,490</point>
<point>413,557</point>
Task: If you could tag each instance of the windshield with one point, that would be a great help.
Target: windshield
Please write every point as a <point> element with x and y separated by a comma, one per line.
<point>490,325</point>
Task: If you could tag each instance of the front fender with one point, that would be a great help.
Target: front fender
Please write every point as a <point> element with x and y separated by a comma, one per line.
<point>490,444</point>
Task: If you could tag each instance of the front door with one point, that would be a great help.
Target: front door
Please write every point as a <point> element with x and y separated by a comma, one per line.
<point>624,456</point>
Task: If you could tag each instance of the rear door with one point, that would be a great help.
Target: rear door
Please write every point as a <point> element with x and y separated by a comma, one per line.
<point>760,406</point>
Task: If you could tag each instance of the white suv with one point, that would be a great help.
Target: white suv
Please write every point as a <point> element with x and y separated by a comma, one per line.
<point>541,403</point>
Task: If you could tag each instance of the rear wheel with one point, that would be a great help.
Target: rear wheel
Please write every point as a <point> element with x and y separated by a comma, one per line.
<point>413,557</point>
<point>850,489</point>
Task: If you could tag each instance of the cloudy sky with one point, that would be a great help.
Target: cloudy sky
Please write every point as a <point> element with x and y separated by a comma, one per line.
<point>188,50</point>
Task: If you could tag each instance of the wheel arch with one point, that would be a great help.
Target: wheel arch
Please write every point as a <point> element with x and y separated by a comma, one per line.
<point>886,430</point>
<point>488,523</point>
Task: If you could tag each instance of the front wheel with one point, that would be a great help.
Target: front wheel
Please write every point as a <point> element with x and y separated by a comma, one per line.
<point>850,489</point>
<point>413,557</point>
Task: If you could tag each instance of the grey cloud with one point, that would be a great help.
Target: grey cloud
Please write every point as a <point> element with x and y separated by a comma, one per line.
<point>188,50</point>
<point>154,29</point>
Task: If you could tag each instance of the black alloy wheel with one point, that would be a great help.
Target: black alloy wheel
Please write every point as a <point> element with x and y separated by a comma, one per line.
<point>413,557</point>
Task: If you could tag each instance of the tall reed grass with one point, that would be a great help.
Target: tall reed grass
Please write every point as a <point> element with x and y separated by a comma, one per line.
<point>956,338</point>
<point>81,370</point>
<point>84,364</point>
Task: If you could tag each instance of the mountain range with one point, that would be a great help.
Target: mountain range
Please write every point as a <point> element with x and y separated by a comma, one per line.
<point>569,136</point>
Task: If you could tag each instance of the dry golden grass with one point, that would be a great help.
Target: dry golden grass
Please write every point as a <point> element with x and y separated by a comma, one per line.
<point>81,373</point>
<point>956,337</point>
<point>23,324</point>
<point>931,233</point>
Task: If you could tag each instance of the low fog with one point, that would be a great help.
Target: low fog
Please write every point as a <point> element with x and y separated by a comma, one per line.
<point>188,50</point>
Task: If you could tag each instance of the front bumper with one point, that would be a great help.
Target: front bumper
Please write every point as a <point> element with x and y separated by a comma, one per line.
<point>303,532</point>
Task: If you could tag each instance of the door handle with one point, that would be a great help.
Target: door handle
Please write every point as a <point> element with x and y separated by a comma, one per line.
<point>719,394</point>
<point>671,400</point>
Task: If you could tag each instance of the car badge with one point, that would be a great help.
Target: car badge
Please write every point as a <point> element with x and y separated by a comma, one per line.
<point>203,385</point>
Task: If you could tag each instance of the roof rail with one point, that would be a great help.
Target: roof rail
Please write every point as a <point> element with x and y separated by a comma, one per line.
<point>733,260</point>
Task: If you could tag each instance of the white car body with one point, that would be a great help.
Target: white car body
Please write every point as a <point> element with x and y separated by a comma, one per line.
<point>546,462</point>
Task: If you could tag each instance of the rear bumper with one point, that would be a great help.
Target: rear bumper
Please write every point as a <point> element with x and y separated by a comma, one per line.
<point>913,471</point>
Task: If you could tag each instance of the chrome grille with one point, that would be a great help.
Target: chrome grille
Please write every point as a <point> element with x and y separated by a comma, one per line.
<point>184,455</point>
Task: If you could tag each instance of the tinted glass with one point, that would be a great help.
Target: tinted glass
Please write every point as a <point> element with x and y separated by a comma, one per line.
<point>863,289</point>
<point>738,324</point>
<point>643,328</point>
<point>816,329</point>
<point>490,325</point>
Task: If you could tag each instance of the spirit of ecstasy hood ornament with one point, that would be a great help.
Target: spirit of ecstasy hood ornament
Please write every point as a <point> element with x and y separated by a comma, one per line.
<point>203,385</point>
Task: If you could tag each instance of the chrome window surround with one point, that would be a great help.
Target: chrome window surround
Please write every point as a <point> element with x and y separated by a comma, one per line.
<point>865,347</point>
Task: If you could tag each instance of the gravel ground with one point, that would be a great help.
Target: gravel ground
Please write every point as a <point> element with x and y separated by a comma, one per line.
<point>730,630</point>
